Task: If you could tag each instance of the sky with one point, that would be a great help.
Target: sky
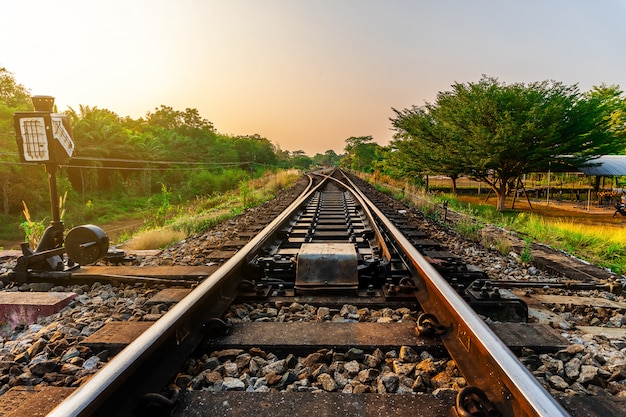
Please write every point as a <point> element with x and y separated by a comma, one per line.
<point>305,74</point>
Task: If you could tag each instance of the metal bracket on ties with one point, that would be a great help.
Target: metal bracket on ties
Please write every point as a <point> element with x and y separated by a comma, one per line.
<point>407,284</point>
<point>427,325</point>
<point>246,284</point>
<point>473,402</point>
<point>217,326</point>
<point>165,402</point>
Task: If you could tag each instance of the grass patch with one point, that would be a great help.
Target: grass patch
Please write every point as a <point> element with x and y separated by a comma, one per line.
<point>102,208</point>
<point>155,239</point>
<point>162,213</point>
<point>469,228</point>
<point>604,246</point>
<point>503,246</point>
<point>496,242</point>
<point>601,245</point>
<point>203,213</point>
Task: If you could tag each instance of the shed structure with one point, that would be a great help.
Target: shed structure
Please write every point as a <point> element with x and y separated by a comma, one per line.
<point>606,166</point>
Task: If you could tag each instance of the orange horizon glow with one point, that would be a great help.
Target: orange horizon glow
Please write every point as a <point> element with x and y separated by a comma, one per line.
<point>304,74</point>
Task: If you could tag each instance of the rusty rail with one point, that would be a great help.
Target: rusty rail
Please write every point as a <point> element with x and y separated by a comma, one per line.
<point>484,360</point>
<point>482,357</point>
<point>174,328</point>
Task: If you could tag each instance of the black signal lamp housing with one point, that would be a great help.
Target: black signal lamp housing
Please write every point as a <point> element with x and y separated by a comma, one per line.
<point>43,136</point>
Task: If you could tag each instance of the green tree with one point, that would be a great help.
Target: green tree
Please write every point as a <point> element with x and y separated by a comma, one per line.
<point>395,164</point>
<point>497,132</point>
<point>17,181</point>
<point>300,160</point>
<point>328,158</point>
<point>283,157</point>
<point>180,149</point>
<point>423,145</point>
<point>255,149</point>
<point>98,135</point>
<point>360,153</point>
<point>613,107</point>
<point>13,94</point>
<point>188,134</point>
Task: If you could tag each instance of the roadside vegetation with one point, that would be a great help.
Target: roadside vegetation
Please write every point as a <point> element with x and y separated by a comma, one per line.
<point>601,244</point>
<point>174,172</point>
<point>161,220</point>
<point>198,216</point>
<point>145,170</point>
<point>499,134</point>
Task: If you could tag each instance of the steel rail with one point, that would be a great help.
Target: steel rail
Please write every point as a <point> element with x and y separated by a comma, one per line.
<point>368,214</point>
<point>88,397</point>
<point>482,357</point>
<point>505,380</point>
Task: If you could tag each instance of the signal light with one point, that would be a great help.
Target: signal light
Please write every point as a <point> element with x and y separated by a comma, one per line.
<point>43,136</point>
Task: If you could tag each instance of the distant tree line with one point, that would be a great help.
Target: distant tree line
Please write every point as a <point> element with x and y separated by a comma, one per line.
<point>496,132</point>
<point>121,155</point>
<point>488,130</point>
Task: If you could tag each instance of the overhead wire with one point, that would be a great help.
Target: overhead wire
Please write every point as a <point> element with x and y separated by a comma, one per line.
<point>182,165</point>
<point>146,161</point>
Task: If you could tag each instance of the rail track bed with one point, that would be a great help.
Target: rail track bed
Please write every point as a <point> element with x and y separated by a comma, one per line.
<point>341,302</point>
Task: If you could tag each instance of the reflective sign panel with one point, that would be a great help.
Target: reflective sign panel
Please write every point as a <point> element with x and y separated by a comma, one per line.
<point>61,134</point>
<point>35,144</point>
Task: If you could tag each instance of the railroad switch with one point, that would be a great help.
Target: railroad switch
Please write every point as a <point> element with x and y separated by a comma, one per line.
<point>464,277</point>
<point>327,266</point>
<point>278,266</point>
<point>83,244</point>
<point>403,289</point>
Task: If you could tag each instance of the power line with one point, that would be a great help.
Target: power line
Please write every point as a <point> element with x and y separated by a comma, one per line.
<point>145,161</point>
<point>118,168</point>
<point>142,161</point>
<point>146,168</point>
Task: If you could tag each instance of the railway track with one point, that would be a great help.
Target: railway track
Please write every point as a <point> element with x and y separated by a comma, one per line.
<point>378,303</point>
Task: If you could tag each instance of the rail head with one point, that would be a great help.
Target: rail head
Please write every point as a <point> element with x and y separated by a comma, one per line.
<point>529,397</point>
<point>471,342</point>
<point>88,397</point>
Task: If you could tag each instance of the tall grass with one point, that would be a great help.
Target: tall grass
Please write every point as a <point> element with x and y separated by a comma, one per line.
<point>155,239</point>
<point>601,245</point>
<point>204,213</point>
<point>33,230</point>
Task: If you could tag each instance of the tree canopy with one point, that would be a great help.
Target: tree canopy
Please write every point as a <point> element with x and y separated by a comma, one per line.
<point>14,97</point>
<point>361,153</point>
<point>496,132</point>
<point>179,149</point>
<point>328,158</point>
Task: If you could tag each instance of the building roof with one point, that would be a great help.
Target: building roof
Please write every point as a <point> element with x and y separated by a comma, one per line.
<point>606,166</point>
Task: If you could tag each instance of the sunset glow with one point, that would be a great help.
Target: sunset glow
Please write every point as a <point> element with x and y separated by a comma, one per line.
<point>304,74</point>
